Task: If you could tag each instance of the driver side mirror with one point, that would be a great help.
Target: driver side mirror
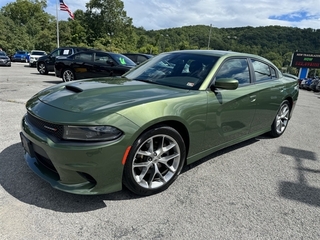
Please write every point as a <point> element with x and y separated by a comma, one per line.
<point>225,83</point>
<point>110,62</point>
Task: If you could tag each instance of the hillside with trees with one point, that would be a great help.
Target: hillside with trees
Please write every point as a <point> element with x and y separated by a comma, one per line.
<point>24,25</point>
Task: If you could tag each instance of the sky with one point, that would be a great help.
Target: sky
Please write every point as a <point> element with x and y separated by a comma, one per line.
<point>163,14</point>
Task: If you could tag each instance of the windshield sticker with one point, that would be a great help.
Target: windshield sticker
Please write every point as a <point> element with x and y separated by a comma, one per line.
<point>122,61</point>
<point>190,84</point>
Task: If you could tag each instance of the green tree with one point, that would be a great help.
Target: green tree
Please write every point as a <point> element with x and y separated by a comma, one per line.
<point>107,18</point>
<point>28,20</point>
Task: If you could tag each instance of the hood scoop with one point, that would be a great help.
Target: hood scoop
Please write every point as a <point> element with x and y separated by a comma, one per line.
<point>74,88</point>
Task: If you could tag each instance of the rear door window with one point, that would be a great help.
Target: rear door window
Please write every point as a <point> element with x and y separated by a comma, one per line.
<point>263,71</point>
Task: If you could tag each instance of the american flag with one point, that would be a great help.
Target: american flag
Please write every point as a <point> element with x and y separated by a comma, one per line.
<point>64,7</point>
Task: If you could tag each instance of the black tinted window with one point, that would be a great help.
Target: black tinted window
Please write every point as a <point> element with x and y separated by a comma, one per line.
<point>55,53</point>
<point>84,56</point>
<point>37,53</point>
<point>102,57</point>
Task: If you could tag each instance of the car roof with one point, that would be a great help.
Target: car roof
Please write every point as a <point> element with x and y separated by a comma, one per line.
<point>96,51</point>
<point>139,54</point>
<point>217,53</point>
<point>222,53</point>
<point>72,47</point>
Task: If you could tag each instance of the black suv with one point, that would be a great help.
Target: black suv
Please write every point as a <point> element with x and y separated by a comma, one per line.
<point>46,63</point>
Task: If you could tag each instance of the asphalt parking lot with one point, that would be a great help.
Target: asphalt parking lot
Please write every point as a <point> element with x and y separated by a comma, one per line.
<point>263,188</point>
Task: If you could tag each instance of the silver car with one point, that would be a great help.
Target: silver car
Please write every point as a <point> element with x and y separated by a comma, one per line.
<point>34,55</point>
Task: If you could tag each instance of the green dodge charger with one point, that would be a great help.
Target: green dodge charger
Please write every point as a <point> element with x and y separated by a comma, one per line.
<point>95,136</point>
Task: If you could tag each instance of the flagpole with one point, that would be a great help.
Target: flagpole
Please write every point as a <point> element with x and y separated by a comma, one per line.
<point>57,12</point>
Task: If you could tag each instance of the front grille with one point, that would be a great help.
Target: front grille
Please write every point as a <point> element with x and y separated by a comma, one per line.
<point>55,130</point>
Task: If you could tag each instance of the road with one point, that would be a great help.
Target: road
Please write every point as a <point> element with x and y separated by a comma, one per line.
<point>263,188</point>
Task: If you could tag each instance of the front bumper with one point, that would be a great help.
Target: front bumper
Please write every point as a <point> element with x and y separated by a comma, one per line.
<point>33,62</point>
<point>79,168</point>
<point>18,59</point>
<point>4,62</point>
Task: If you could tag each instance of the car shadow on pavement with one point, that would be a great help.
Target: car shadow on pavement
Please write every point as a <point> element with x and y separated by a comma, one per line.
<point>18,180</point>
<point>223,151</point>
<point>300,190</point>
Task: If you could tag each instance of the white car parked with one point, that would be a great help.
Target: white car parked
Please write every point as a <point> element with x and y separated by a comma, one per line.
<point>34,55</point>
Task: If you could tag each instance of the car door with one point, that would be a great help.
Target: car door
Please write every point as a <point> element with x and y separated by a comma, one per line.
<point>102,64</point>
<point>58,53</point>
<point>83,65</point>
<point>230,112</point>
<point>269,94</point>
<point>51,59</point>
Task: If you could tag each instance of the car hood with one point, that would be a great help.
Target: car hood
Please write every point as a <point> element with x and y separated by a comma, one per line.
<point>4,57</point>
<point>104,94</point>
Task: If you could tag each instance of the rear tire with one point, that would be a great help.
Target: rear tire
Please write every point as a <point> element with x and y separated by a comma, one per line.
<point>281,120</point>
<point>68,75</point>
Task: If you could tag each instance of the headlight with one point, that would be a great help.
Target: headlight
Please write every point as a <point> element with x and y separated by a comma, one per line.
<point>91,133</point>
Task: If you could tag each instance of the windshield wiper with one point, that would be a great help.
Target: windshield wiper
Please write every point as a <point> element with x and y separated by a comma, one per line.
<point>144,80</point>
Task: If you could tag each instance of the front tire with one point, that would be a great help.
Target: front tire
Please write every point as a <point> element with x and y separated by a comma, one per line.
<point>155,161</point>
<point>281,120</point>
<point>42,68</point>
<point>68,75</point>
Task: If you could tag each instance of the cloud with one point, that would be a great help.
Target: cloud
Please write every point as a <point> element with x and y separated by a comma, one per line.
<point>162,14</point>
<point>159,14</point>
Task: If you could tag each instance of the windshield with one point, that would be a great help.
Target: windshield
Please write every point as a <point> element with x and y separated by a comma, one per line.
<point>21,53</point>
<point>122,60</point>
<point>37,53</point>
<point>181,70</point>
<point>3,54</point>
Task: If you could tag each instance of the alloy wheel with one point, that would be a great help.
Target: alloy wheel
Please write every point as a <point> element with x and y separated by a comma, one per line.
<point>42,68</point>
<point>156,161</point>
<point>67,75</point>
<point>282,118</point>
